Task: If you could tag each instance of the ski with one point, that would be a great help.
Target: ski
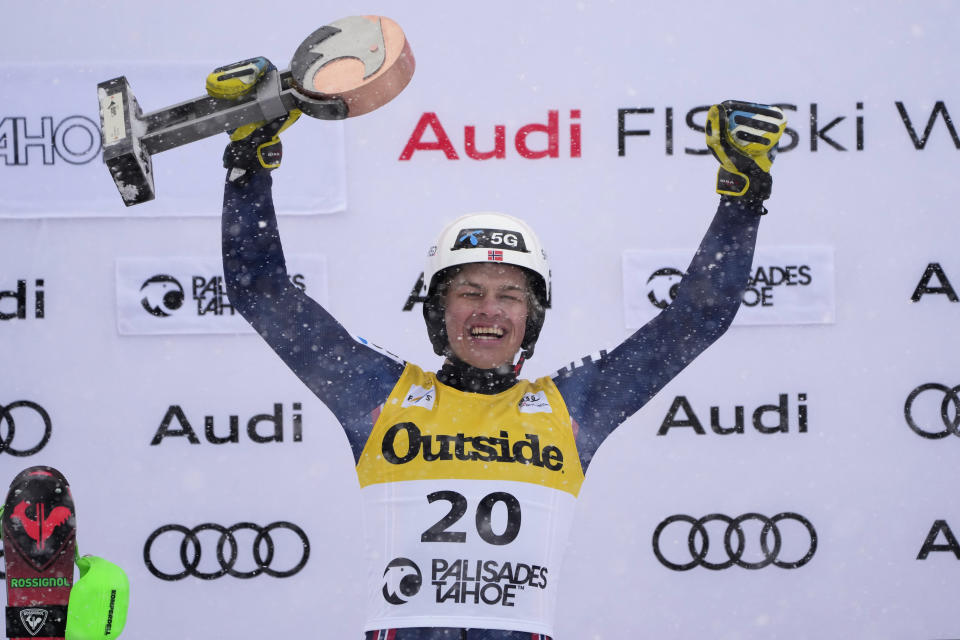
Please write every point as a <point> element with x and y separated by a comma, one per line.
<point>39,546</point>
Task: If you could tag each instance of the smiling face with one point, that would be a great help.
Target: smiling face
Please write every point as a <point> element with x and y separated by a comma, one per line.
<point>486,307</point>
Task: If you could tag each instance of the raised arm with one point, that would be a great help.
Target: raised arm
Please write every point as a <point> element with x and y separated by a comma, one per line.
<point>606,390</point>
<point>603,392</point>
<point>349,376</point>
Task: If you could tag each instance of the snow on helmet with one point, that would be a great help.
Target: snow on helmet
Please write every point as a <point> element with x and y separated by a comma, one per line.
<point>486,237</point>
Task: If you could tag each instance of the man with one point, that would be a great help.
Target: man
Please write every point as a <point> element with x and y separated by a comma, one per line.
<point>469,475</point>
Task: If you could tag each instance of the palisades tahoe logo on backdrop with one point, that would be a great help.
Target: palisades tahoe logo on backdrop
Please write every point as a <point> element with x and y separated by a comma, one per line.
<point>787,285</point>
<point>158,296</point>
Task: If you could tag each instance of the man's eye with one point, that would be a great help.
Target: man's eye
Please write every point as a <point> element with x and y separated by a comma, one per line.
<point>470,294</point>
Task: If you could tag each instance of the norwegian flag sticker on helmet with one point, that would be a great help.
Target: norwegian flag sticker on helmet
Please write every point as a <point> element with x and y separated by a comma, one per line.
<point>495,255</point>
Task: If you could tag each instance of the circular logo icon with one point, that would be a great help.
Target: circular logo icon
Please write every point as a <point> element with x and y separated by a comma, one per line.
<point>949,404</point>
<point>263,551</point>
<point>662,286</point>
<point>698,542</point>
<point>162,295</point>
<point>401,580</point>
<point>29,414</point>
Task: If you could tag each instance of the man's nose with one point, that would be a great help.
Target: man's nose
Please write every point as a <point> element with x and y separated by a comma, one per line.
<point>488,305</point>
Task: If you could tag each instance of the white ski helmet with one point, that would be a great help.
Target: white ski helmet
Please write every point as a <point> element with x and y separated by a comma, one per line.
<point>486,237</point>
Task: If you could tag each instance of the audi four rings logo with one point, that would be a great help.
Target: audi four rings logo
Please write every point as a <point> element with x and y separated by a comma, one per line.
<point>698,542</point>
<point>29,413</point>
<point>226,560</point>
<point>929,429</point>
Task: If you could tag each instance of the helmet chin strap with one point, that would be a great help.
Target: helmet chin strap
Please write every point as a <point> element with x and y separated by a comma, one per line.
<point>523,357</point>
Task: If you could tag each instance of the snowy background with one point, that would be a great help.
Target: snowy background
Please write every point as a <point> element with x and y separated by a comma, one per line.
<point>875,215</point>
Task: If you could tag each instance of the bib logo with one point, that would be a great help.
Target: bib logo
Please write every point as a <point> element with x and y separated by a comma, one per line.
<point>490,582</point>
<point>419,397</point>
<point>535,403</point>
<point>401,581</point>
<point>521,140</point>
<point>484,449</point>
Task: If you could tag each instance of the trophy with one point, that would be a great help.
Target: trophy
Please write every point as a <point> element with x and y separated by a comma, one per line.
<point>344,69</point>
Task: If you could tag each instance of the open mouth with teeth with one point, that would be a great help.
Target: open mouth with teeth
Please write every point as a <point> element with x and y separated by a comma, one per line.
<point>487,333</point>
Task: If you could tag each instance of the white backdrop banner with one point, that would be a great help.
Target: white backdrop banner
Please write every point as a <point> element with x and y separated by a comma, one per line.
<point>794,482</point>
